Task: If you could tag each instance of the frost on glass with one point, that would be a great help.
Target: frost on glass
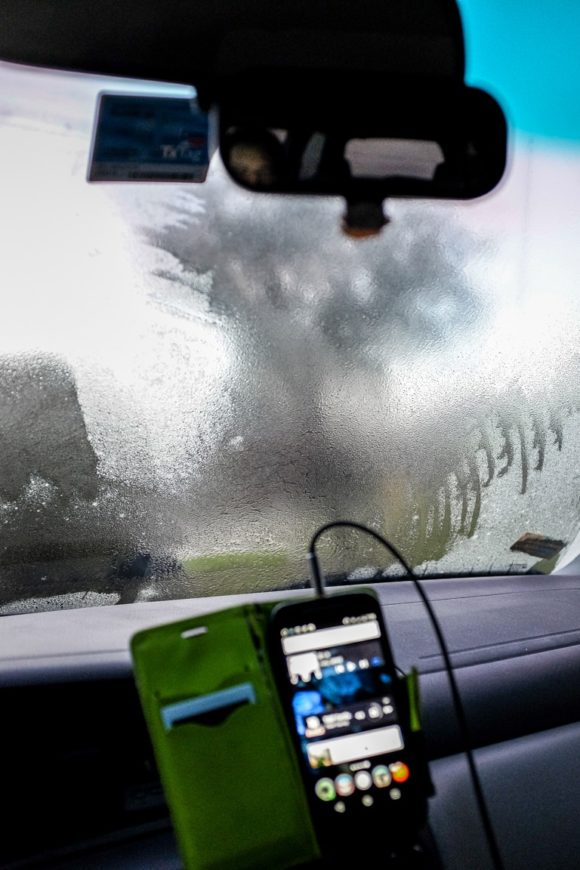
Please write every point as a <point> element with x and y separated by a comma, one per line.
<point>193,379</point>
<point>412,382</point>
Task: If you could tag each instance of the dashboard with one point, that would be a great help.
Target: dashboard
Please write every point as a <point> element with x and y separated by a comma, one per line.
<point>81,778</point>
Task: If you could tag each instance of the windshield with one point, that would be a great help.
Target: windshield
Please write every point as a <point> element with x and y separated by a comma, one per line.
<point>194,378</point>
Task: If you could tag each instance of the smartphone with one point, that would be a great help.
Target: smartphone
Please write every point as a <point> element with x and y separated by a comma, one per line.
<point>348,713</point>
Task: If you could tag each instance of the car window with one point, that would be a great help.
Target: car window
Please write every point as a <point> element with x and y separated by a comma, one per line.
<point>193,378</point>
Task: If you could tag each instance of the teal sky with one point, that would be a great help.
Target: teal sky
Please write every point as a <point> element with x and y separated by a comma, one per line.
<point>527,53</point>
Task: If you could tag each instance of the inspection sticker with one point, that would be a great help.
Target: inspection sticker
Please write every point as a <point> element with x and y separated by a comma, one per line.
<point>139,138</point>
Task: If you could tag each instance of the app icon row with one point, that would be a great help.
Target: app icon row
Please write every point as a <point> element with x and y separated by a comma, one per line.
<point>344,785</point>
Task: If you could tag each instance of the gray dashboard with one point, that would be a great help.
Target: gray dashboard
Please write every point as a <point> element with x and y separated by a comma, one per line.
<point>515,646</point>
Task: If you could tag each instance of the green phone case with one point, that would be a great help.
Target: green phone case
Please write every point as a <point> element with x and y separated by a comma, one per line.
<point>225,755</point>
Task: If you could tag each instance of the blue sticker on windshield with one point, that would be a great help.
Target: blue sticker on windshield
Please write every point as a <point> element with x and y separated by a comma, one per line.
<point>149,139</point>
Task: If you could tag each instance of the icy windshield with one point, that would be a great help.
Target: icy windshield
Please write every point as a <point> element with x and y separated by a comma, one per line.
<point>194,378</point>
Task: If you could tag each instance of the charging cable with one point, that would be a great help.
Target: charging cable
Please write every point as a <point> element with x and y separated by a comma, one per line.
<point>319,587</point>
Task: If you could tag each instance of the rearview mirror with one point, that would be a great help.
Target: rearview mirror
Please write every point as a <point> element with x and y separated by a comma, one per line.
<point>364,138</point>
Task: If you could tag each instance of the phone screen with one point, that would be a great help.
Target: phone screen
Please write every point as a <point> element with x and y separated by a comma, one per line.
<point>342,699</point>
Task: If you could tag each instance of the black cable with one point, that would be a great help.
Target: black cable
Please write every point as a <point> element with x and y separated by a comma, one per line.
<point>457,702</point>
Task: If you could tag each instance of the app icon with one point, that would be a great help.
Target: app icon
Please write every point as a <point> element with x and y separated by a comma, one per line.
<point>395,794</point>
<point>363,780</point>
<point>340,807</point>
<point>344,784</point>
<point>381,776</point>
<point>399,771</point>
<point>324,789</point>
<point>367,801</point>
<point>375,711</point>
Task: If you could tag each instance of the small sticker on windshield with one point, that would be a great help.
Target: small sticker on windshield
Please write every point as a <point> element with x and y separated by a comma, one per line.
<point>539,546</point>
<point>140,138</point>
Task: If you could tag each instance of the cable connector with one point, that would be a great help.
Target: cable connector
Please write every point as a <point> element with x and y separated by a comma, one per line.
<point>318,583</point>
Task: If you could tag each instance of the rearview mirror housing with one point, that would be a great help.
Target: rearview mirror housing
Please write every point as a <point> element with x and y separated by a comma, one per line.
<point>365,136</point>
